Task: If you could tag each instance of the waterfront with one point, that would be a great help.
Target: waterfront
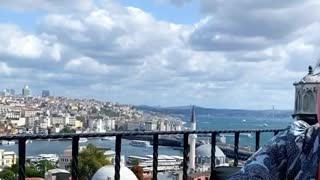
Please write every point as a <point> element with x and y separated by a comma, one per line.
<point>253,120</point>
<point>57,147</point>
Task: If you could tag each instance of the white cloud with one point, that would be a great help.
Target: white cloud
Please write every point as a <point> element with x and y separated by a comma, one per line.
<point>249,51</point>
<point>4,69</point>
<point>51,6</point>
<point>86,65</point>
<point>18,44</point>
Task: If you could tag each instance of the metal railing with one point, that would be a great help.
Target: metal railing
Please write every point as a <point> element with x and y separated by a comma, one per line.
<point>120,134</point>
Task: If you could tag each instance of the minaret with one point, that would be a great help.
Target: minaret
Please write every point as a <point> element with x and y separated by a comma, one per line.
<point>192,141</point>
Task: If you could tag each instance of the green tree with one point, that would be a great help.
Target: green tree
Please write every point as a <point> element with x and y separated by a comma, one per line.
<point>7,174</point>
<point>67,129</point>
<point>43,166</point>
<point>135,162</point>
<point>32,171</point>
<point>91,159</point>
<point>37,170</point>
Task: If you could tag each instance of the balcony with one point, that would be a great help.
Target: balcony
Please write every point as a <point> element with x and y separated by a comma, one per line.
<point>155,134</point>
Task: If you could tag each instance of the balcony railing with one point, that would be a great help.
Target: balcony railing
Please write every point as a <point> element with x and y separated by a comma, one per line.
<point>120,134</point>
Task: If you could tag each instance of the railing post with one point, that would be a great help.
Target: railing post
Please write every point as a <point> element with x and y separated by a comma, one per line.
<point>257,140</point>
<point>155,156</point>
<point>185,155</point>
<point>276,133</point>
<point>75,153</point>
<point>213,154</point>
<point>118,157</point>
<point>22,158</point>
<point>236,148</point>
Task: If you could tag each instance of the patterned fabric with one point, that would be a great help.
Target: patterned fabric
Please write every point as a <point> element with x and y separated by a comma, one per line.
<point>292,154</point>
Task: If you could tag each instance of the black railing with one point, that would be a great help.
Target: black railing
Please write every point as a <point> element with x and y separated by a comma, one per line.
<point>120,134</point>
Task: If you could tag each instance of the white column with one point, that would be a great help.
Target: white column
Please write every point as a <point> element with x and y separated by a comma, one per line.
<point>192,155</point>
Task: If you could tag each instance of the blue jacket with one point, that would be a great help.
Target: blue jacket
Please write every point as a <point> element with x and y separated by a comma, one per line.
<point>292,154</point>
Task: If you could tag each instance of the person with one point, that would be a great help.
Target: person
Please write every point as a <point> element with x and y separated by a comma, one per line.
<point>295,152</point>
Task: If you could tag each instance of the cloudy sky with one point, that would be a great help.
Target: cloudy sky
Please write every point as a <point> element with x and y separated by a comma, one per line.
<point>214,53</point>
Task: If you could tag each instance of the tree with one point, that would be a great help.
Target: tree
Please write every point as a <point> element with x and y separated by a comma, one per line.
<point>135,162</point>
<point>138,171</point>
<point>32,171</point>
<point>7,174</point>
<point>91,159</point>
<point>37,170</point>
<point>43,166</point>
<point>67,129</point>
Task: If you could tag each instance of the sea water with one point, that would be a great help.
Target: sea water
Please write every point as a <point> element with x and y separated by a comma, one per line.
<point>236,119</point>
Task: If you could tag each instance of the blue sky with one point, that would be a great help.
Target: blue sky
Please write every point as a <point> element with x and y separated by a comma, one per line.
<point>25,20</point>
<point>221,54</point>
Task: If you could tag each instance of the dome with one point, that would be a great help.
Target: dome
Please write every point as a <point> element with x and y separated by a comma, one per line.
<point>311,78</point>
<point>306,95</point>
<point>205,151</point>
<point>108,172</point>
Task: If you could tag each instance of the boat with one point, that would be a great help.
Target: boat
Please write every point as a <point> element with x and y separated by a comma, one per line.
<point>83,140</point>
<point>28,141</point>
<point>264,125</point>
<point>140,143</point>
<point>249,135</point>
<point>108,138</point>
<point>244,120</point>
<point>4,142</point>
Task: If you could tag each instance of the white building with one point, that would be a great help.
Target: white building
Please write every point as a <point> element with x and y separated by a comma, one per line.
<point>26,91</point>
<point>150,125</point>
<point>7,158</point>
<point>101,126</point>
<point>65,159</point>
<point>57,120</point>
<point>107,173</point>
<point>72,121</point>
<point>133,125</point>
<point>162,126</point>
<point>19,122</point>
<point>45,122</point>
<point>55,174</point>
<point>110,124</point>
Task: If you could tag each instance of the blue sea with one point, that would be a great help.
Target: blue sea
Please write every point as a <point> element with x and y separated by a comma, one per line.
<point>206,120</point>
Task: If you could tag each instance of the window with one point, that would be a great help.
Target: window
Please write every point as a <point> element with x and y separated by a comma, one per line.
<point>309,102</point>
<point>298,101</point>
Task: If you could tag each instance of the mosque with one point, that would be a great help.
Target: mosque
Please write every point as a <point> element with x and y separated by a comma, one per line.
<point>107,172</point>
<point>199,159</point>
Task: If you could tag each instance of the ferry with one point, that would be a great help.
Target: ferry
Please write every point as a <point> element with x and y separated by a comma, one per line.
<point>249,135</point>
<point>108,138</point>
<point>40,157</point>
<point>140,143</point>
<point>83,140</point>
<point>165,162</point>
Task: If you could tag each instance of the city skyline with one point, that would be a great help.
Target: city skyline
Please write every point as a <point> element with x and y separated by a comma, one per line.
<point>163,52</point>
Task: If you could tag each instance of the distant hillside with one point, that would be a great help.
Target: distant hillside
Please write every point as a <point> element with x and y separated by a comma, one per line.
<point>185,111</point>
